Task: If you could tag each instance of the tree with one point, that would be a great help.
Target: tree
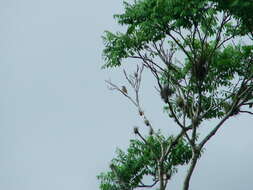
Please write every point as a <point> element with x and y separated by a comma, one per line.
<point>200,53</point>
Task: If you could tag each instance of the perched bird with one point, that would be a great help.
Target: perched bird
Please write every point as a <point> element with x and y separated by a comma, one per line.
<point>136,130</point>
<point>151,132</point>
<point>146,122</point>
<point>124,89</point>
<point>141,113</point>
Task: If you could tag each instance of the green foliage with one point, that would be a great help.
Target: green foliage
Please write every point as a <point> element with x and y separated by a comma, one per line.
<point>208,67</point>
<point>203,72</point>
<point>141,159</point>
<point>151,20</point>
<point>241,9</point>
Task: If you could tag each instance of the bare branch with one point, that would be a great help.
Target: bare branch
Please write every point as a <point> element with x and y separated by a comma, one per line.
<point>152,185</point>
<point>142,138</point>
<point>115,87</point>
<point>180,45</point>
<point>246,112</point>
<point>213,132</point>
<point>134,82</point>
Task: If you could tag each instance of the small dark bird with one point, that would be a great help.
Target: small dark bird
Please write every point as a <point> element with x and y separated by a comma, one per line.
<point>151,132</point>
<point>136,130</point>
<point>124,89</point>
<point>146,122</point>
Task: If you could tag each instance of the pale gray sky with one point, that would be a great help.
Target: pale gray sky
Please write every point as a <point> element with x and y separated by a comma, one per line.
<point>60,125</point>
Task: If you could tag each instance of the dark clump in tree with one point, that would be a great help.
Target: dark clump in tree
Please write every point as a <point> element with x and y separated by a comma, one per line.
<point>166,92</point>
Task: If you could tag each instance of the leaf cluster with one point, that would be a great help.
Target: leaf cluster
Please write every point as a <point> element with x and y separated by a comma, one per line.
<point>241,9</point>
<point>128,169</point>
<point>149,21</point>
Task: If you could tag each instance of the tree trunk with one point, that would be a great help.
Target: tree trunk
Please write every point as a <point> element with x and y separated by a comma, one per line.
<point>190,171</point>
<point>161,176</point>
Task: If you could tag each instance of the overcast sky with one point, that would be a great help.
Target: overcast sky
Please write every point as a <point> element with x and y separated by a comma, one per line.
<point>60,125</point>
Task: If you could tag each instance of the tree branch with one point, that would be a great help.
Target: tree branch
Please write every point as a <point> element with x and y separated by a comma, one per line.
<point>246,112</point>
<point>152,185</point>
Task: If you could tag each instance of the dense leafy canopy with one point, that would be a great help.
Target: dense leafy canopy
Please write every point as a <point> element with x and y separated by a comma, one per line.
<point>141,159</point>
